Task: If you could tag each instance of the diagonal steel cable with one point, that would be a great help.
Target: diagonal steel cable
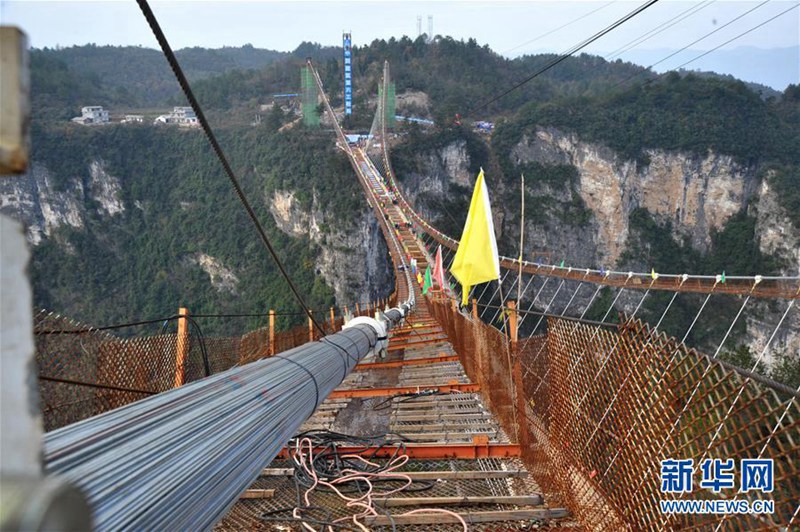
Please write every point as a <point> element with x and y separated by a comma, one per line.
<point>747,380</point>
<point>541,347</point>
<point>608,356</point>
<point>643,409</point>
<point>694,391</point>
<point>630,372</point>
<point>212,139</point>
<point>499,284</point>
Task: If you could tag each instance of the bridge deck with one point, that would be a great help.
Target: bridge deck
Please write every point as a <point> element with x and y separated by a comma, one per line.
<point>460,458</point>
<point>451,428</point>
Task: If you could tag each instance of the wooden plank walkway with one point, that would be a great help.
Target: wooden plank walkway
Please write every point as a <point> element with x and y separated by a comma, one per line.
<point>418,395</point>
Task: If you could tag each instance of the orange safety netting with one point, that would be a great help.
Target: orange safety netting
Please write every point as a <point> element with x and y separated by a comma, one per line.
<point>597,409</point>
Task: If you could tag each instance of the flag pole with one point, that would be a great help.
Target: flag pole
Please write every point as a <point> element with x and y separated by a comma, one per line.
<point>502,305</point>
<point>514,390</point>
<point>521,236</point>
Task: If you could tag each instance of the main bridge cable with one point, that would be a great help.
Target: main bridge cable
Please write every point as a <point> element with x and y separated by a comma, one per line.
<point>737,37</point>
<point>564,56</point>
<point>704,37</point>
<point>683,15</point>
<point>201,118</point>
<point>570,23</point>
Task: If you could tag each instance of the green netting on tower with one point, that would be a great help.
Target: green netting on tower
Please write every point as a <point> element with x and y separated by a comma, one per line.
<point>380,102</point>
<point>309,104</point>
<point>391,104</point>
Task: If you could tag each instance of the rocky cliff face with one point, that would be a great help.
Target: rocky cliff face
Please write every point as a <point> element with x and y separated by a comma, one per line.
<point>354,262</point>
<point>697,194</point>
<point>42,207</point>
<point>776,234</point>
<point>440,168</point>
<point>222,278</point>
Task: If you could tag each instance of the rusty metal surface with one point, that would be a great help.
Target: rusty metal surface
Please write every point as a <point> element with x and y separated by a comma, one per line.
<point>592,410</point>
<point>246,515</point>
<point>89,372</point>
<point>451,420</point>
<point>603,407</point>
<point>449,431</point>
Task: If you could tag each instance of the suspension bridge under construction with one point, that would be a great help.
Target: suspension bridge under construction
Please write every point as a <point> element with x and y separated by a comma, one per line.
<point>412,413</point>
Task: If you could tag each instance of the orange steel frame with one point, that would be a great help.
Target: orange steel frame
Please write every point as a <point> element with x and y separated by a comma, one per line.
<point>418,343</point>
<point>423,330</point>
<point>383,392</point>
<point>423,451</point>
<point>409,362</point>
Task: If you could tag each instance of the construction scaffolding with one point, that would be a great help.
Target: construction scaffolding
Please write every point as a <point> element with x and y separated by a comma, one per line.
<point>310,98</point>
<point>389,103</point>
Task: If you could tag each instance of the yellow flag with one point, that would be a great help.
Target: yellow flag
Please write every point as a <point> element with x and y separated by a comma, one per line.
<point>476,259</point>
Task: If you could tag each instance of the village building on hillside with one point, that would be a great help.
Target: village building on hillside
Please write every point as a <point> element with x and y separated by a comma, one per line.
<point>182,116</point>
<point>92,115</point>
<point>132,119</point>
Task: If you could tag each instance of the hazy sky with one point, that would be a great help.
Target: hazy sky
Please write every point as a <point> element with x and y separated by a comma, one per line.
<point>510,28</point>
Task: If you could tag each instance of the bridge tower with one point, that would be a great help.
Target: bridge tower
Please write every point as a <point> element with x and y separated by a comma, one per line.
<point>347,43</point>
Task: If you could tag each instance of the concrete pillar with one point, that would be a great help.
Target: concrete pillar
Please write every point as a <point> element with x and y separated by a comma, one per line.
<point>29,500</point>
<point>21,421</point>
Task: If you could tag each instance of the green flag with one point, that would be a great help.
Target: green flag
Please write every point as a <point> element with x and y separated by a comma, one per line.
<point>428,281</point>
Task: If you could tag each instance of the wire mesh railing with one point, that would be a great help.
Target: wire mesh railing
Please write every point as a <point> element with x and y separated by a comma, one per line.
<point>85,371</point>
<point>598,407</point>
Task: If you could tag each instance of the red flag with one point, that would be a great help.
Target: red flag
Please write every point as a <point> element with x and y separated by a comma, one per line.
<point>438,269</point>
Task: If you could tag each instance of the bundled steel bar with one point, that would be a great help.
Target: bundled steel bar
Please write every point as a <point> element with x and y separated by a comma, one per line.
<point>179,460</point>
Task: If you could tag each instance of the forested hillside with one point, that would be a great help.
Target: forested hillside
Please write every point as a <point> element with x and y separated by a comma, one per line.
<point>131,241</point>
<point>456,75</point>
<point>130,77</point>
<point>681,174</point>
<point>706,137</point>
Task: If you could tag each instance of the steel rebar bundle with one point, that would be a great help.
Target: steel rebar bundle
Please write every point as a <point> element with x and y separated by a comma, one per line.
<point>179,460</point>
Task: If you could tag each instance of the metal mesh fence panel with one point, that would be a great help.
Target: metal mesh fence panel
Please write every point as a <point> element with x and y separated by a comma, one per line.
<point>391,104</point>
<point>600,407</point>
<point>84,372</point>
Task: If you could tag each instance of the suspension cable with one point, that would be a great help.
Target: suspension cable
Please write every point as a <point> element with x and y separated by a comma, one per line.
<point>658,382</point>
<point>789,404</point>
<point>630,371</point>
<point>528,368</point>
<point>747,380</point>
<point>571,22</point>
<point>692,10</point>
<point>212,139</point>
<point>499,284</point>
<point>735,38</point>
<point>564,56</point>
<point>696,388</point>
<point>709,34</point>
